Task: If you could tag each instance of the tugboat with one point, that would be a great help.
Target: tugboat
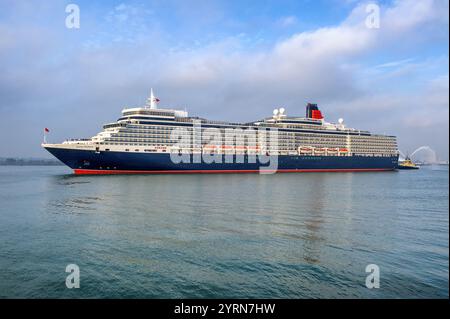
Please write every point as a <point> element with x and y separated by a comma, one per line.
<point>407,164</point>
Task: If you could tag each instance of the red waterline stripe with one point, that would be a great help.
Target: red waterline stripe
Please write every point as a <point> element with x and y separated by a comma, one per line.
<point>115,172</point>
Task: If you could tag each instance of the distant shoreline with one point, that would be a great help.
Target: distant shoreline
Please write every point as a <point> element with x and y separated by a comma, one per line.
<point>29,162</point>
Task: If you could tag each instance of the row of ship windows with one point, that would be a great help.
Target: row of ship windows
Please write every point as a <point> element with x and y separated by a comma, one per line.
<point>283,136</point>
<point>372,142</point>
<point>297,138</point>
<point>371,139</point>
<point>148,113</point>
<point>281,146</point>
<point>126,136</point>
<point>373,146</point>
<point>166,129</point>
<point>140,129</point>
<point>280,142</point>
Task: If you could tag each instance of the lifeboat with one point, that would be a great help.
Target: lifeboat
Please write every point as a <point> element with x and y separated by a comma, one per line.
<point>305,150</point>
<point>320,150</point>
<point>333,151</point>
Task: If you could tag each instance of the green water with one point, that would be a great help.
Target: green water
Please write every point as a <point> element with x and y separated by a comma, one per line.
<point>194,236</point>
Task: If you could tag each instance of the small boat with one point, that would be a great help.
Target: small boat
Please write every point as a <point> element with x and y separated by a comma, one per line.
<point>407,164</point>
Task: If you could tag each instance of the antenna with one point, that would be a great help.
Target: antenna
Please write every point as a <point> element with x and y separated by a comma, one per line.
<point>282,110</point>
<point>341,121</point>
<point>275,112</point>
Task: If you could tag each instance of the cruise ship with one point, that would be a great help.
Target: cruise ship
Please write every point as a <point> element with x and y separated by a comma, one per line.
<point>150,139</point>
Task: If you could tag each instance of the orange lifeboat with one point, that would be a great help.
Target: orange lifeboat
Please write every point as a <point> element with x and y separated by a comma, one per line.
<point>320,150</point>
<point>305,150</point>
<point>333,151</point>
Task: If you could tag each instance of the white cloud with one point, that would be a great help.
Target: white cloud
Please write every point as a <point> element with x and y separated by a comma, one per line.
<point>412,14</point>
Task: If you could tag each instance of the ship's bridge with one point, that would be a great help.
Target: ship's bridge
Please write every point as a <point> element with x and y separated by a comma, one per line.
<point>150,110</point>
<point>144,111</point>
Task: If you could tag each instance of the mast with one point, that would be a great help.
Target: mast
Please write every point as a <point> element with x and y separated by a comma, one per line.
<point>151,101</point>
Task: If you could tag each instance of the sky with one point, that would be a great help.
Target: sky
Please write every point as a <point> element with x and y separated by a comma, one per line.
<point>224,60</point>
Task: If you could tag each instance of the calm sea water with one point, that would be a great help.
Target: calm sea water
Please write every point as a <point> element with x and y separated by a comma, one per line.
<point>266,236</point>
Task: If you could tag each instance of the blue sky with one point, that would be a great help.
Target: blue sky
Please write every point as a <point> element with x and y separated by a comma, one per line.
<point>227,60</point>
